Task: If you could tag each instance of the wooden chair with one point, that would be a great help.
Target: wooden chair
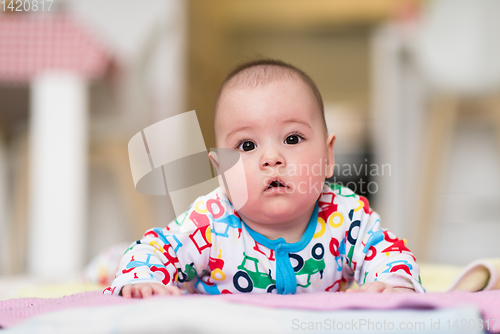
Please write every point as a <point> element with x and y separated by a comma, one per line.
<point>457,50</point>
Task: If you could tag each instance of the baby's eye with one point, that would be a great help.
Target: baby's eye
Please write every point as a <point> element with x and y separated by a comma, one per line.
<point>293,139</point>
<point>246,146</point>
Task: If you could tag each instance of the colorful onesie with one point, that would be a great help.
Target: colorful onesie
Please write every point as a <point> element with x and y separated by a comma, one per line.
<point>209,249</point>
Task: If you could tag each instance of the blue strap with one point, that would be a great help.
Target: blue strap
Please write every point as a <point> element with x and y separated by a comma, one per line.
<point>286,283</point>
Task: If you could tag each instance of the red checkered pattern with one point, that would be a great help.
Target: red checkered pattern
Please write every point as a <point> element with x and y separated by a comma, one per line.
<point>33,44</point>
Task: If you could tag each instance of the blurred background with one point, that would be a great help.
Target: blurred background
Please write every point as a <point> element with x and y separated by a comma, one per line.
<point>410,88</point>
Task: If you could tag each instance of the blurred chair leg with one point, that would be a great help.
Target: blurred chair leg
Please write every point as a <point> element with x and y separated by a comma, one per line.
<point>114,157</point>
<point>140,206</point>
<point>18,240</point>
<point>442,122</point>
<point>4,206</point>
<point>492,104</point>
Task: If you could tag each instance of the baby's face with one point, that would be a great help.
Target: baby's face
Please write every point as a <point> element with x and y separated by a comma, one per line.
<point>280,134</point>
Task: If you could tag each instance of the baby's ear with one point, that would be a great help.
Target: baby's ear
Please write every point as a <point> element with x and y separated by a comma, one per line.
<point>330,159</point>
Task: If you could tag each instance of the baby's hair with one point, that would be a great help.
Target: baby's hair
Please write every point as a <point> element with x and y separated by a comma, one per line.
<point>264,71</point>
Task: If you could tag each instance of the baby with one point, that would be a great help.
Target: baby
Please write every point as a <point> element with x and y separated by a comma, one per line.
<point>296,233</point>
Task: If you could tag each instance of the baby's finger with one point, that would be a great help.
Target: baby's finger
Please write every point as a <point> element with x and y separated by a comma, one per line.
<point>391,289</point>
<point>376,287</point>
<point>126,291</point>
<point>173,290</point>
<point>146,291</point>
<point>135,292</point>
<point>370,287</point>
<point>352,291</point>
<point>159,290</point>
<point>364,287</point>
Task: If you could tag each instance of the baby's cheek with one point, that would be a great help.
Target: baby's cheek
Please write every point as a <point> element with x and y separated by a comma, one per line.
<point>254,184</point>
<point>238,182</point>
<point>309,177</point>
<point>310,186</point>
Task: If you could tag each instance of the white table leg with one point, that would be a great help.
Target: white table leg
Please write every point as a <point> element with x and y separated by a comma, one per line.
<point>58,175</point>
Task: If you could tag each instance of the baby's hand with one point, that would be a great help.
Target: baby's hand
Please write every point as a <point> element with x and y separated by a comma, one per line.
<point>145,290</point>
<point>378,287</point>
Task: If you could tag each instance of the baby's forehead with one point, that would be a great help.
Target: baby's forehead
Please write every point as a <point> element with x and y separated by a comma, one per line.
<point>238,91</point>
<point>261,75</point>
<point>241,89</point>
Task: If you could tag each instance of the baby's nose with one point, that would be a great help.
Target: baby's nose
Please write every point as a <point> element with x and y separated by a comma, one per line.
<point>273,162</point>
<point>272,158</point>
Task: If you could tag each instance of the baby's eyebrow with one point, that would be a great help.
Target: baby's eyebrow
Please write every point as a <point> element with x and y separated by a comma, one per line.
<point>241,128</point>
<point>246,127</point>
<point>294,120</point>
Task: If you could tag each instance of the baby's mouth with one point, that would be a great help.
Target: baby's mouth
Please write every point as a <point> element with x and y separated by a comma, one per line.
<point>276,183</point>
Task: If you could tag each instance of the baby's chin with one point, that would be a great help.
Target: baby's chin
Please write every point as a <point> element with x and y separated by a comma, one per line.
<point>275,210</point>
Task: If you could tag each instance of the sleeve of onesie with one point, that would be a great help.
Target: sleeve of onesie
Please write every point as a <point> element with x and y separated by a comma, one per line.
<point>171,256</point>
<point>376,254</point>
